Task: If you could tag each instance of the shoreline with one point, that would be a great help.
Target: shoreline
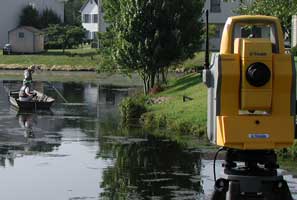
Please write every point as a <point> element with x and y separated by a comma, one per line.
<point>48,68</point>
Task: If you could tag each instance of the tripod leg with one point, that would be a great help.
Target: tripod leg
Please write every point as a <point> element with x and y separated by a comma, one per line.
<point>221,187</point>
<point>279,191</point>
<point>234,191</point>
<point>218,195</point>
<point>282,190</point>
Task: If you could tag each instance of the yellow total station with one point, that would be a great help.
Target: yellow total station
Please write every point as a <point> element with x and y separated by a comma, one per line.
<point>251,83</point>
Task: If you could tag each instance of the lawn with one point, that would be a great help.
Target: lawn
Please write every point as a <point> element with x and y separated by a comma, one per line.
<point>193,111</point>
<point>196,61</point>
<point>73,59</point>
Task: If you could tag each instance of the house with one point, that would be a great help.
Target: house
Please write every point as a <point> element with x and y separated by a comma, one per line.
<point>219,11</point>
<point>11,10</point>
<point>92,19</point>
<point>26,39</point>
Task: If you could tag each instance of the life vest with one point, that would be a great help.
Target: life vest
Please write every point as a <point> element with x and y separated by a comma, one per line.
<point>22,92</point>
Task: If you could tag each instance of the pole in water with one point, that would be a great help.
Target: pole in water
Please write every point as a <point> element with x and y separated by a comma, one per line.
<point>57,91</point>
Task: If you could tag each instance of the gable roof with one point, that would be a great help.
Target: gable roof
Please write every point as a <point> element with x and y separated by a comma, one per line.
<point>85,4</point>
<point>28,28</point>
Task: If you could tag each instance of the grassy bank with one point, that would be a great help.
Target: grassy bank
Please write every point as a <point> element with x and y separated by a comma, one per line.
<point>186,117</point>
<point>71,60</point>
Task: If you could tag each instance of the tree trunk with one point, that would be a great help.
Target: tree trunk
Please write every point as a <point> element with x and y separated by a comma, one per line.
<point>153,75</point>
<point>146,84</point>
<point>164,80</point>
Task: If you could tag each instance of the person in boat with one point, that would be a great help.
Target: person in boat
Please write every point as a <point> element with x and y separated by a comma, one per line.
<point>26,93</point>
<point>28,73</point>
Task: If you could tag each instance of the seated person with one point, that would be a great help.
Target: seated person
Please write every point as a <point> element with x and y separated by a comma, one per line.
<point>26,93</point>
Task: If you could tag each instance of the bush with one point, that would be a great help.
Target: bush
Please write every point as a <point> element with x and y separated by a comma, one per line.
<point>131,110</point>
<point>290,152</point>
<point>152,121</point>
<point>106,64</point>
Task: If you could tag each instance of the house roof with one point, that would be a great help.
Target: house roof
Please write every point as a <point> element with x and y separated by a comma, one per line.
<point>85,4</point>
<point>28,28</point>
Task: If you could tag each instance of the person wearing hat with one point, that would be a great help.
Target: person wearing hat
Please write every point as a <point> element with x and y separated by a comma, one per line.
<point>28,73</point>
<point>26,93</point>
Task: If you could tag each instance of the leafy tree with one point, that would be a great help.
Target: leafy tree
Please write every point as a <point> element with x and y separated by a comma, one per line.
<point>283,9</point>
<point>149,36</point>
<point>72,12</point>
<point>49,17</point>
<point>29,17</point>
<point>64,36</point>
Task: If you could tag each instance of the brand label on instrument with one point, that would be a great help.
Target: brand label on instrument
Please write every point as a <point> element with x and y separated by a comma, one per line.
<point>259,136</point>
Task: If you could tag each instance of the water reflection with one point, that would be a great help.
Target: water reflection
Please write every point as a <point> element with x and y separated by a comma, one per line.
<point>78,151</point>
<point>150,168</point>
<point>26,121</point>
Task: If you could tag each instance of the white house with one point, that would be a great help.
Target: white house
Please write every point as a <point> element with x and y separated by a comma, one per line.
<point>92,18</point>
<point>11,10</point>
<point>219,11</point>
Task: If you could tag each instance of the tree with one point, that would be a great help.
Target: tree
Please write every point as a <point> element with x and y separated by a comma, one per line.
<point>64,36</point>
<point>72,12</point>
<point>48,17</point>
<point>283,9</point>
<point>149,36</point>
<point>29,17</point>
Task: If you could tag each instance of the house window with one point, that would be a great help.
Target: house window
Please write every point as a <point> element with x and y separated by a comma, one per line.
<point>94,35</point>
<point>95,18</point>
<point>215,6</point>
<point>88,35</point>
<point>86,18</point>
<point>21,34</point>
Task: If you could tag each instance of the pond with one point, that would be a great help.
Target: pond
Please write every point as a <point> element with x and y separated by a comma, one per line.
<point>78,151</point>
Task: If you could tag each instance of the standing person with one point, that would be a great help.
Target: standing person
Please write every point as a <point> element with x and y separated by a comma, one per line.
<point>28,73</point>
<point>26,93</point>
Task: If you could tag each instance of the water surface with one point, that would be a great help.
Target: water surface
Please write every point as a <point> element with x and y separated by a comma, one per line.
<point>78,151</point>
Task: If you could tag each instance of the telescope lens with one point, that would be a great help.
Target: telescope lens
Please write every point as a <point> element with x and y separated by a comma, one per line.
<point>258,74</point>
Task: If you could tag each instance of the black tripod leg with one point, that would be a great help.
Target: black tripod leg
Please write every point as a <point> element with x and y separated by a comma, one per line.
<point>217,195</point>
<point>280,191</point>
<point>221,187</point>
<point>234,191</point>
<point>283,191</point>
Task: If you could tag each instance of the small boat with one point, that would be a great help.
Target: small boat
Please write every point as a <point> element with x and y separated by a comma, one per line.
<point>39,102</point>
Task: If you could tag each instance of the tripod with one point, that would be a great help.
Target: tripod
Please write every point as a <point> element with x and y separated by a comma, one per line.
<point>251,175</point>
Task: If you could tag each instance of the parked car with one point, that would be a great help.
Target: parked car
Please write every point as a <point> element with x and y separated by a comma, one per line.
<point>7,49</point>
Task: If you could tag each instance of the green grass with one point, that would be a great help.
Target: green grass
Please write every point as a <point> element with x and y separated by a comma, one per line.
<point>196,61</point>
<point>175,110</point>
<point>73,59</point>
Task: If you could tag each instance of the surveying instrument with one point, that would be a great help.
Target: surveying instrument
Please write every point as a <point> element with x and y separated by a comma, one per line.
<point>251,107</point>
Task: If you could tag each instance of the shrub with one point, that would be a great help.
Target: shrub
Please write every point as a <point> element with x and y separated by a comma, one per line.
<point>153,121</point>
<point>131,110</point>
